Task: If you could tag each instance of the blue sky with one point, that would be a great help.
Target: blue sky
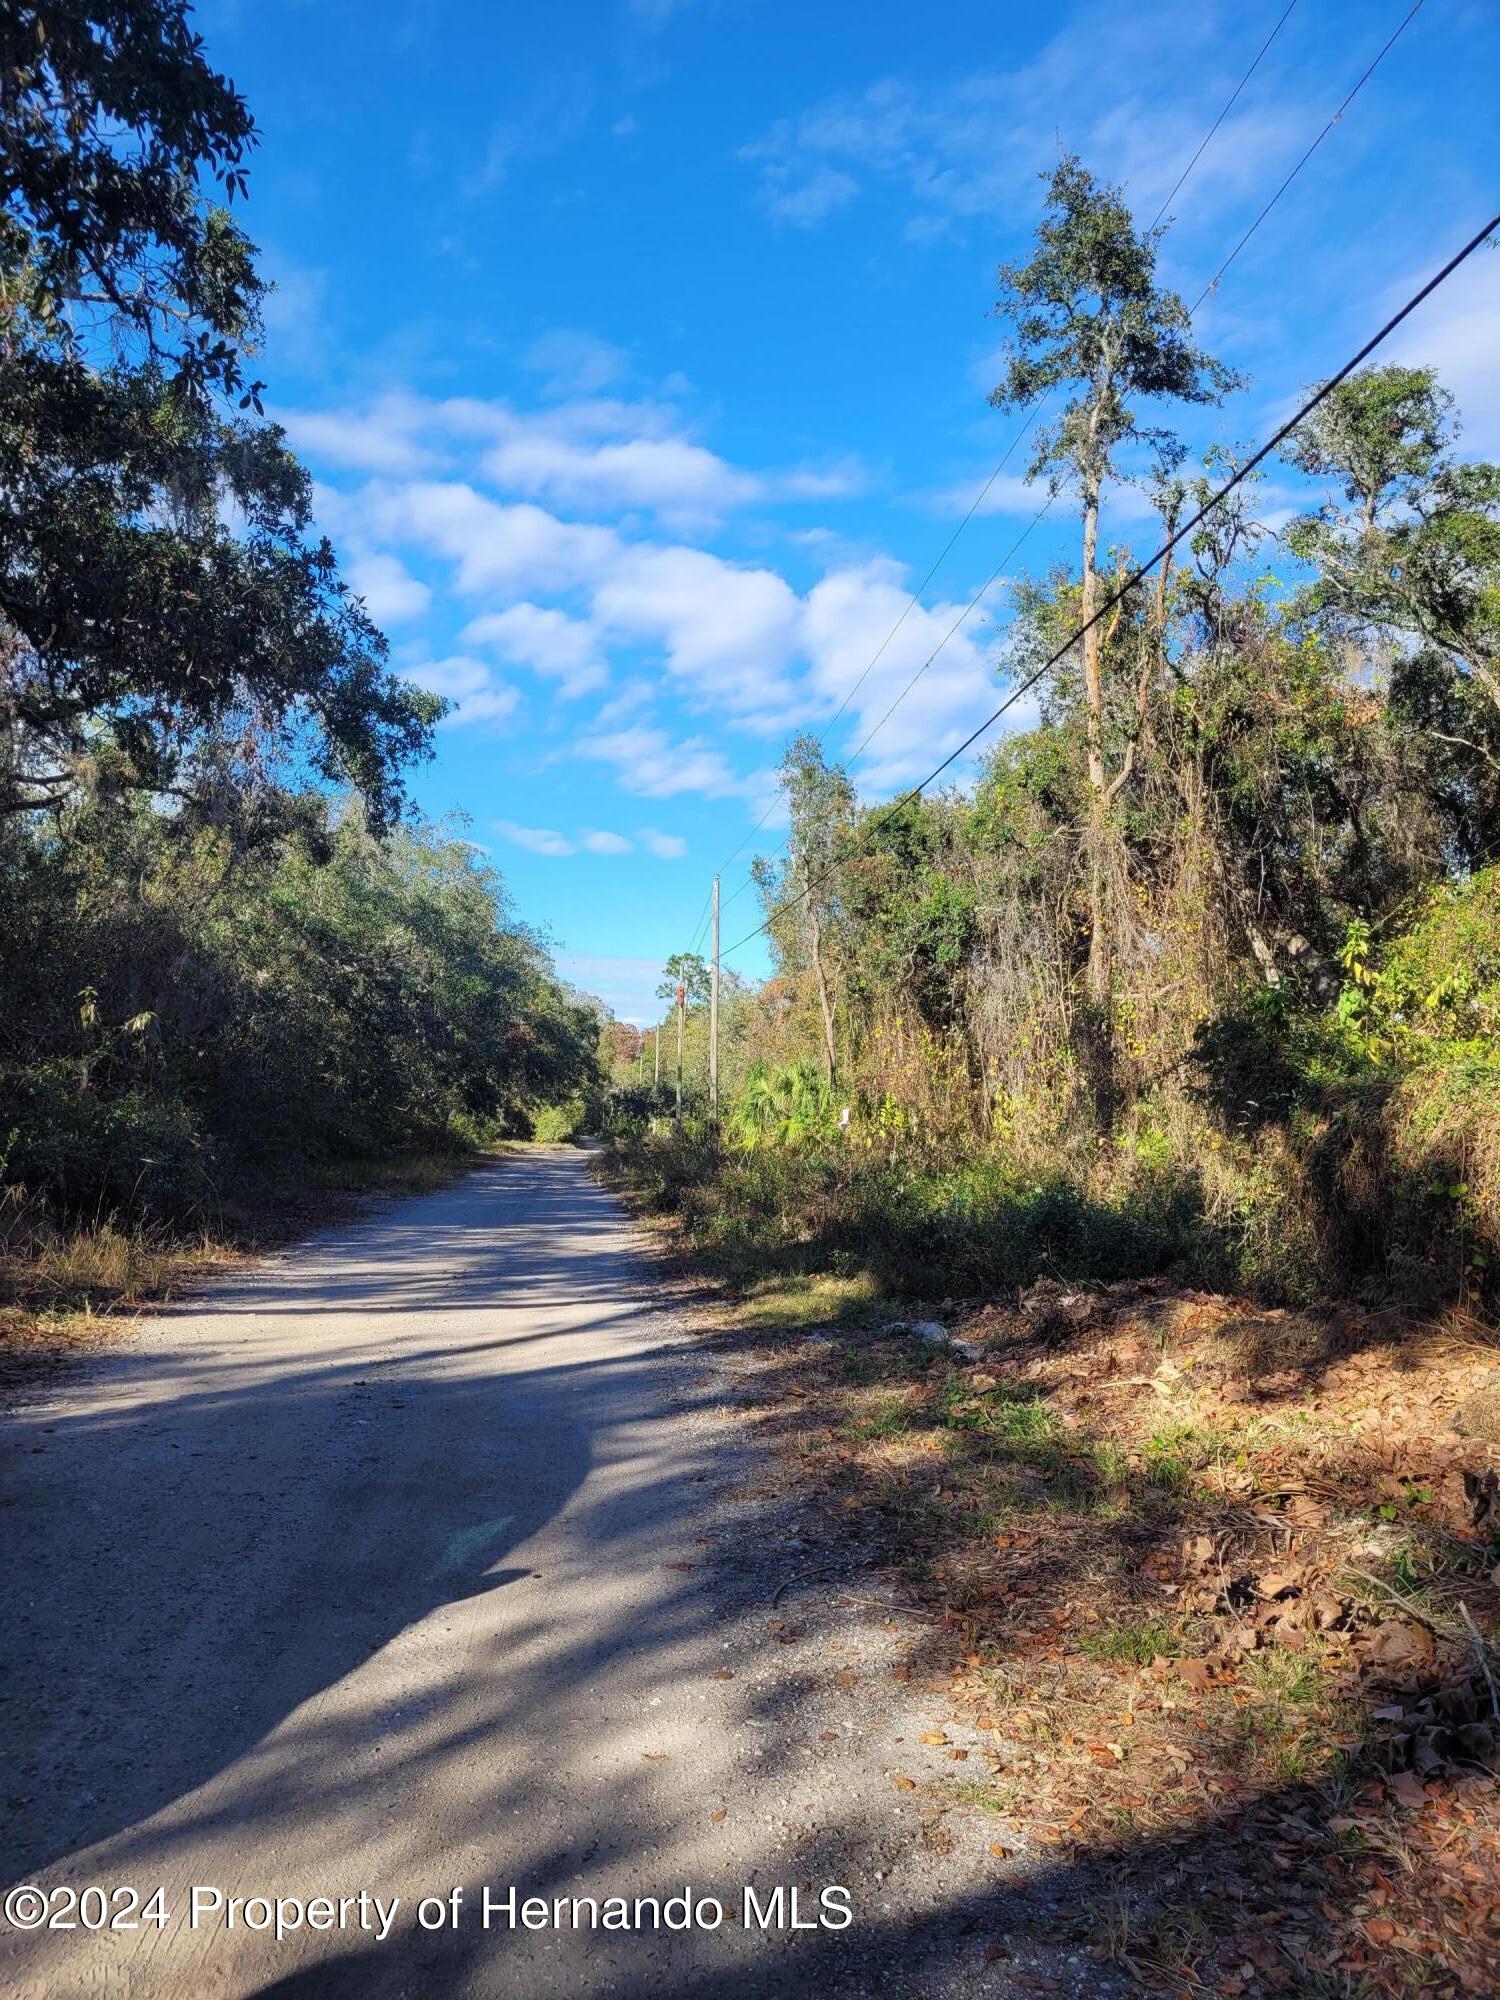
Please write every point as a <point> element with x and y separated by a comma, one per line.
<point>640,350</point>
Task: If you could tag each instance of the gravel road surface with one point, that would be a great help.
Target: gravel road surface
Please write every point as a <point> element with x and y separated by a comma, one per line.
<point>429,1557</point>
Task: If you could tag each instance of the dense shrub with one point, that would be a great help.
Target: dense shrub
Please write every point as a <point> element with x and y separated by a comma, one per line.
<point>1310,1150</point>
<point>193,1008</point>
<point>920,1232</point>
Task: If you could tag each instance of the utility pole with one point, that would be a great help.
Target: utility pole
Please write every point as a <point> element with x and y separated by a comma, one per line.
<point>656,1039</point>
<point>713,1018</point>
<point>681,1012</point>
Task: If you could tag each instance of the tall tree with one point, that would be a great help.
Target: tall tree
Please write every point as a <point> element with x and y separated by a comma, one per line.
<point>165,605</point>
<point>110,120</point>
<point>805,893</point>
<point>685,982</point>
<point>1086,316</point>
<point>1418,549</point>
<point>688,970</point>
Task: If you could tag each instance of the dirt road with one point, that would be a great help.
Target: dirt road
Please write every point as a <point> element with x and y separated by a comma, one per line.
<point>420,1560</point>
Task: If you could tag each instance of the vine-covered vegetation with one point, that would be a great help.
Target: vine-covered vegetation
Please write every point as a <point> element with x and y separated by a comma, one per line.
<point>1204,969</point>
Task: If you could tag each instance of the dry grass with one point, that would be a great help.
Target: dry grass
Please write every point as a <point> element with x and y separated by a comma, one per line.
<point>64,1290</point>
<point>65,1287</point>
<point>1199,1572</point>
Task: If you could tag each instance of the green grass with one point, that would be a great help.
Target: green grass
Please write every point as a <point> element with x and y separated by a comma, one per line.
<point>891,1417</point>
<point>1020,1422</point>
<point>998,1796</point>
<point>1282,1677</point>
<point>1136,1642</point>
<point>799,1299</point>
<point>1177,1452</point>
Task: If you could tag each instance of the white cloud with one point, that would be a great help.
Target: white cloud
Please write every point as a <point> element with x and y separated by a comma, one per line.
<point>574,363</point>
<point>544,639</point>
<point>1454,332</point>
<point>569,599</point>
<point>457,675</point>
<point>970,148</point>
<point>467,683</point>
<point>665,846</point>
<point>1007,493</point>
<point>735,640</point>
<point>549,841</point>
<point>492,545</point>
<point>854,615</point>
<point>832,482</point>
<point>537,839</point>
<point>648,762</point>
<point>807,201</point>
<point>596,454</point>
<point>496,704</point>
<point>384,438</point>
<point>726,630</point>
<point>668,475</point>
<point>391,593</point>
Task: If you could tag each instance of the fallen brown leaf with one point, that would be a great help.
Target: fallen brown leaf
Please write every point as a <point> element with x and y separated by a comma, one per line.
<point>1407,1789</point>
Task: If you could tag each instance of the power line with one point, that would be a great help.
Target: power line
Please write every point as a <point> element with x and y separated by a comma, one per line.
<point>1358,87</point>
<point>906,611</point>
<point>974,507</point>
<point>1139,574</point>
<point>1209,287</point>
<point>995,574</point>
<point>982,495</point>
<point>1208,135</point>
<point>698,928</point>
<point>1213,282</point>
<point>1046,507</point>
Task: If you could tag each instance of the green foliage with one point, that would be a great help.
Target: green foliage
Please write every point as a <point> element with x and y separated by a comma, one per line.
<point>1086,311</point>
<point>787,1106</point>
<point>192,1008</point>
<point>1419,552</point>
<point>918,1233</point>
<point>687,970</point>
<point>169,619</point>
<point>1381,429</point>
<point>1385,1108</point>
<point>113,119</point>
<point>1434,987</point>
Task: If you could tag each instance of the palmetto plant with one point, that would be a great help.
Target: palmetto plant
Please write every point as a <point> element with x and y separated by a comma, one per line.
<point>783,1105</point>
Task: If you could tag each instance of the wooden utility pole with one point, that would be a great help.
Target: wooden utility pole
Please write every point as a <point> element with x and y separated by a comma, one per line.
<point>713,1017</point>
<point>681,1012</point>
<point>825,1004</point>
<point>656,1038</point>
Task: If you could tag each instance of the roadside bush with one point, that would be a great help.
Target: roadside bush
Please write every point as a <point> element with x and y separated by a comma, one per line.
<point>919,1233</point>
<point>194,1011</point>
<point>556,1124</point>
